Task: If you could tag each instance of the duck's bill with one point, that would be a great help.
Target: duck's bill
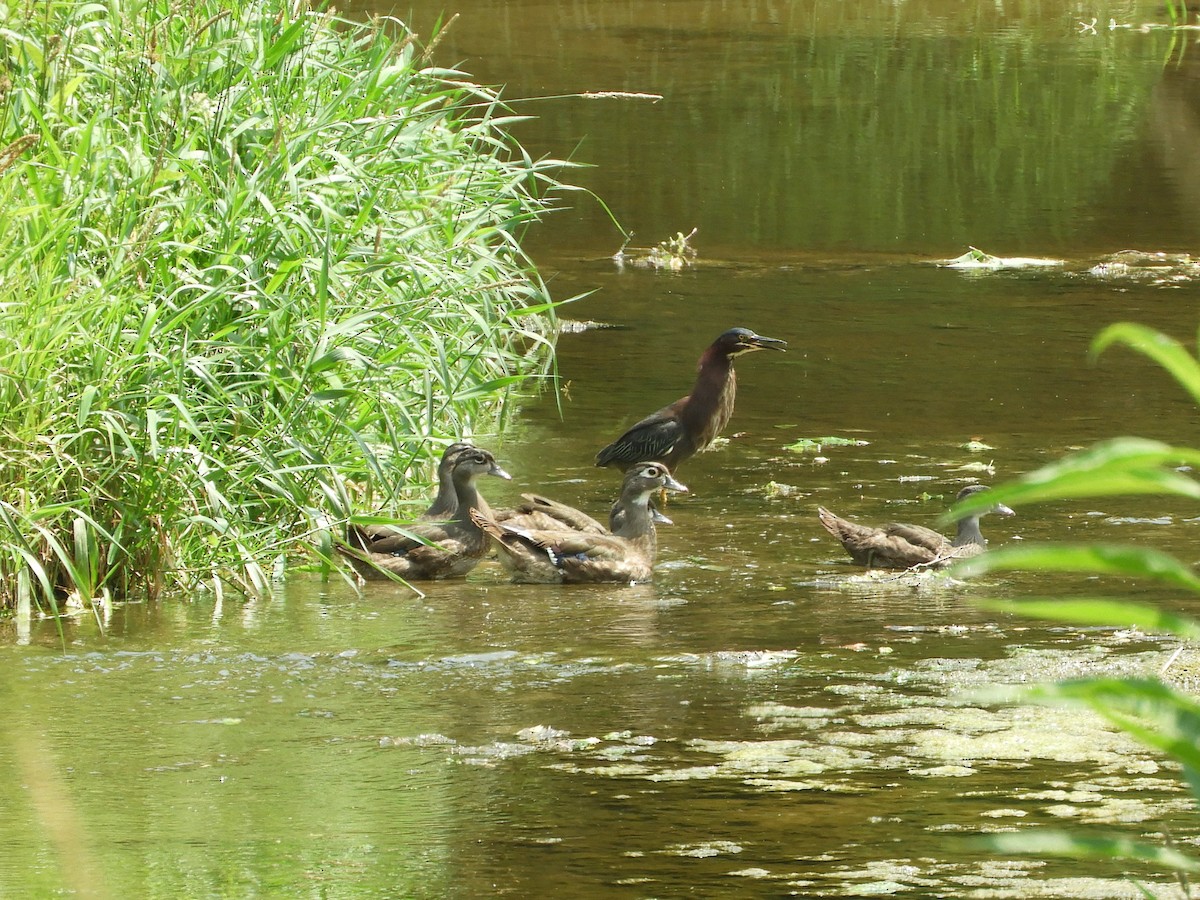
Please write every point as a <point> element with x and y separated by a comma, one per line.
<point>672,485</point>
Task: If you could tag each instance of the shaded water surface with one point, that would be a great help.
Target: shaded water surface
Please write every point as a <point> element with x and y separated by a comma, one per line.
<point>763,720</point>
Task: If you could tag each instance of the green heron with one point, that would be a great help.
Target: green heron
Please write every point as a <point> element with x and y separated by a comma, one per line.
<point>577,557</point>
<point>905,546</point>
<point>690,424</point>
<point>430,550</point>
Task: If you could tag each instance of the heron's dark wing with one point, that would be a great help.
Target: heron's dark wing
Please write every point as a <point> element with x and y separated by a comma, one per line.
<point>653,438</point>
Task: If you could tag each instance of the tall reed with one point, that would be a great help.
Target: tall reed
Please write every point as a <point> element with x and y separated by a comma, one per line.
<point>252,257</point>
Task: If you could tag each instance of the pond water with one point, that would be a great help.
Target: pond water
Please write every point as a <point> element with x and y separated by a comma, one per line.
<point>763,720</point>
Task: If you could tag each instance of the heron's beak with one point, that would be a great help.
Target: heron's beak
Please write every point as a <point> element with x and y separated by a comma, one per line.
<point>758,342</point>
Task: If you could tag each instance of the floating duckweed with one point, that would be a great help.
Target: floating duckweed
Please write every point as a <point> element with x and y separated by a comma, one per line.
<point>780,715</point>
<point>540,733</point>
<point>705,849</point>
<point>693,773</point>
<point>944,772</point>
<point>752,872</point>
<point>828,787</point>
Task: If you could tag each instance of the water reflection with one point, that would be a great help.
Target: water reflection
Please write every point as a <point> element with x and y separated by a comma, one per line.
<point>797,127</point>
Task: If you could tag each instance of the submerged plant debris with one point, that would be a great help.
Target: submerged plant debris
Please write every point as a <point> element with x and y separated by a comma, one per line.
<point>975,258</point>
<point>673,254</point>
<point>1153,267</point>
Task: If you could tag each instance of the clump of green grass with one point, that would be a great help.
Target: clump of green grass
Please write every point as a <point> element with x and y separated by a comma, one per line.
<point>252,258</point>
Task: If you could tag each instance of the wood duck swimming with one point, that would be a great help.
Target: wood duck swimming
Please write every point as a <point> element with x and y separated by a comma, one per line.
<point>690,424</point>
<point>457,545</point>
<point>900,546</point>
<point>445,504</point>
<point>578,557</point>
<point>442,509</point>
<point>539,513</point>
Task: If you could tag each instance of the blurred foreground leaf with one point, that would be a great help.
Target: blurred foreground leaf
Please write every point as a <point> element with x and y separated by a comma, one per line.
<point>1060,843</point>
<point>1100,559</point>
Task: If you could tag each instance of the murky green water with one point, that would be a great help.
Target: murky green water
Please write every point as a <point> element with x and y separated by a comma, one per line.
<point>760,721</point>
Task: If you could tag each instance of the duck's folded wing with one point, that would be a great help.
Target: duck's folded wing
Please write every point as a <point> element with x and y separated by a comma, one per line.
<point>565,516</point>
<point>392,538</point>
<point>574,544</point>
<point>918,536</point>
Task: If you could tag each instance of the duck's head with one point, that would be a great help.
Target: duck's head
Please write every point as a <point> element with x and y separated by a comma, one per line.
<point>972,489</point>
<point>471,462</point>
<point>647,477</point>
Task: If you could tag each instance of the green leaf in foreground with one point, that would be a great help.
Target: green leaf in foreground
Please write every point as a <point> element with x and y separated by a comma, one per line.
<point>1164,350</point>
<point>1111,613</point>
<point>1099,559</point>
<point>1060,843</point>
<point>1119,466</point>
<point>1147,710</point>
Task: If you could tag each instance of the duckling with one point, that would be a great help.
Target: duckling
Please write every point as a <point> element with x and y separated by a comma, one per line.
<point>457,545</point>
<point>563,556</point>
<point>900,546</point>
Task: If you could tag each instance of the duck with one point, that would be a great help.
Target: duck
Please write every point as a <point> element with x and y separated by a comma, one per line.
<point>565,556</point>
<point>536,512</point>
<point>902,546</point>
<point>445,504</point>
<point>680,430</point>
<point>443,507</point>
<point>430,550</point>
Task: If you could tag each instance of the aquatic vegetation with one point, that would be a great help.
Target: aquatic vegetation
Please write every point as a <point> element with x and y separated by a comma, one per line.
<point>1145,708</point>
<point>1154,267</point>
<point>253,256</point>
<point>673,254</point>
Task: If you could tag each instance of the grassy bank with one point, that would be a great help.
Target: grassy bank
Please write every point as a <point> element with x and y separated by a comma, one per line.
<point>251,258</point>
